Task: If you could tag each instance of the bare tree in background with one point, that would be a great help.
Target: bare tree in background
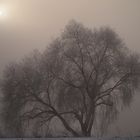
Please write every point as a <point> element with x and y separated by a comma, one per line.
<point>82,78</point>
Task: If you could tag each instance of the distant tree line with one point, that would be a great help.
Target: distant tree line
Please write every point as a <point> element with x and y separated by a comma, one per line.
<point>74,88</point>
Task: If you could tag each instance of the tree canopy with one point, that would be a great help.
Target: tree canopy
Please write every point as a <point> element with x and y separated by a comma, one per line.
<point>81,80</point>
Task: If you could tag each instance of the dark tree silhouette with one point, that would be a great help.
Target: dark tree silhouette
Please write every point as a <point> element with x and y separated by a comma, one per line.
<point>82,78</point>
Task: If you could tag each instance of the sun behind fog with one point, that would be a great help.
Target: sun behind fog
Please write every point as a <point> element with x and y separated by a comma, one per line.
<point>2,13</point>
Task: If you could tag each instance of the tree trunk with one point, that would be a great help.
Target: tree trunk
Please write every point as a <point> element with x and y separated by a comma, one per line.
<point>87,125</point>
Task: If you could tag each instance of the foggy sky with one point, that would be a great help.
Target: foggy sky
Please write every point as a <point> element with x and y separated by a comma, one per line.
<point>32,24</point>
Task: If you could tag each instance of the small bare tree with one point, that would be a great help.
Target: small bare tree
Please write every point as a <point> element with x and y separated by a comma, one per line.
<point>82,78</point>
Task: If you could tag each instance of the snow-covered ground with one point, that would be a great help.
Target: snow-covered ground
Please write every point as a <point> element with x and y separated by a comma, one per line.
<point>92,138</point>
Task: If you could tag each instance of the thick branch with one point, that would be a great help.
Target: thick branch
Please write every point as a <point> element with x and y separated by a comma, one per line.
<point>66,125</point>
<point>110,90</point>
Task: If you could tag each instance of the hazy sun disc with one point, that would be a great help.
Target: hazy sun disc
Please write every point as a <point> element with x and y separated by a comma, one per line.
<point>2,13</point>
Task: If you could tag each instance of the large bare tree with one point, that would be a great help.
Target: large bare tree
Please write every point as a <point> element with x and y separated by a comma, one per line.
<point>81,79</point>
